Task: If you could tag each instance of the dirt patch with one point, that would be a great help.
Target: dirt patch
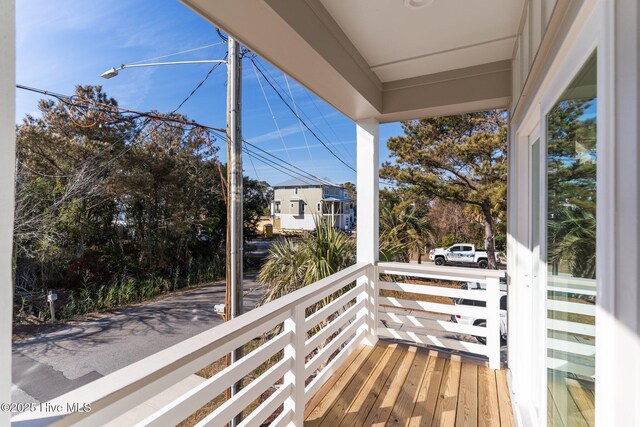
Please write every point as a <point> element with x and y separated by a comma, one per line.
<point>572,317</point>
<point>216,367</point>
<point>421,297</point>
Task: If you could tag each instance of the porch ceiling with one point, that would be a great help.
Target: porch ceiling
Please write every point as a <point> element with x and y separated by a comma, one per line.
<point>381,58</point>
<point>400,42</point>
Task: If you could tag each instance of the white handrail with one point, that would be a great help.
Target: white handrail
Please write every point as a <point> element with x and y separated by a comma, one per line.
<point>457,273</point>
<point>130,386</point>
<point>349,319</point>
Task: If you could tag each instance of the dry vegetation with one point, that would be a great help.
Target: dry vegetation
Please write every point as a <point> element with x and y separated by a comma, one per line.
<point>420,297</point>
<point>216,367</point>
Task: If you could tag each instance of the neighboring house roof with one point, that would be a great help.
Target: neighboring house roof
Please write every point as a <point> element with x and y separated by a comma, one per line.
<point>305,182</point>
<point>336,199</point>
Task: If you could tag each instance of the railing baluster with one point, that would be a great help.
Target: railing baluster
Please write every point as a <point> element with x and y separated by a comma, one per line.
<point>493,322</point>
<point>409,318</point>
<point>369,283</point>
<point>295,376</point>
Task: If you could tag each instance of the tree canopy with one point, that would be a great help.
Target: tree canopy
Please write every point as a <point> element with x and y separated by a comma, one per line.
<point>461,159</point>
<point>571,181</point>
<point>118,198</point>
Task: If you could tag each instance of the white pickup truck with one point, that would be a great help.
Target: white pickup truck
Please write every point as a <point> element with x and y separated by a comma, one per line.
<point>460,253</point>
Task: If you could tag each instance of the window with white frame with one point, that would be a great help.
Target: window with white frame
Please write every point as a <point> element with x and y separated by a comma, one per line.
<point>570,227</point>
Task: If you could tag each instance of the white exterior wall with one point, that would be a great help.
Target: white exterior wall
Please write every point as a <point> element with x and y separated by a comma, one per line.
<point>618,235</point>
<point>535,19</point>
<point>312,197</point>
<point>297,222</point>
<point>7,185</point>
<point>307,221</point>
<point>611,27</point>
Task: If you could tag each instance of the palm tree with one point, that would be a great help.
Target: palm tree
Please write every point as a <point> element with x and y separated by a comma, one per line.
<point>283,271</point>
<point>403,230</point>
<point>573,241</point>
<point>294,264</point>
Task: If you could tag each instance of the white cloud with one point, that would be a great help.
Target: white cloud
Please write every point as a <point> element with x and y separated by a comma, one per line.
<point>270,136</point>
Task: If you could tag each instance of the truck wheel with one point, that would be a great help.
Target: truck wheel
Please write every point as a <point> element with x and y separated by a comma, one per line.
<point>439,260</point>
<point>483,263</point>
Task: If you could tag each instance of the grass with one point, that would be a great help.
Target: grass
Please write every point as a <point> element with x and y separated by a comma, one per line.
<point>118,292</point>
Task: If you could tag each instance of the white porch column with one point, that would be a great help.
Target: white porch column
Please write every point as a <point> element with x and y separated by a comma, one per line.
<point>368,214</point>
<point>7,168</point>
<point>618,216</point>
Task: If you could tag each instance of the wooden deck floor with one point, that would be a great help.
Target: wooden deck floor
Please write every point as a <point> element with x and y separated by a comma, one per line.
<point>396,384</point>
<point>570,401</point>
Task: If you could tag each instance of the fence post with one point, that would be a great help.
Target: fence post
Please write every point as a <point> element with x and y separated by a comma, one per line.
<point>493,322</point>
<point>370,293</point>
<point>294,351</point>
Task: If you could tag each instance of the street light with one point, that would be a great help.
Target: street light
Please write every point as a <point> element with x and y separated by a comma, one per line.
<point>112,72</point>
<point>233,303</point>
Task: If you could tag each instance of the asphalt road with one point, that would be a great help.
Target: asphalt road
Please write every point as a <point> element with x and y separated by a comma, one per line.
<point>58,361</point>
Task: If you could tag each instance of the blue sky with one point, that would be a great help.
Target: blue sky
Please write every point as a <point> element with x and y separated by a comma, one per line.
<point>62,43</point>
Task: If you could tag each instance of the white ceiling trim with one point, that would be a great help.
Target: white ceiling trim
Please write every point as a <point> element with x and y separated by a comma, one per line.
<point>304,41</point>
<point>468,56</point>
<point>426,55</point>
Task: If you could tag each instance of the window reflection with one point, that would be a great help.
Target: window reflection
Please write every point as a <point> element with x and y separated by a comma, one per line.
<point>571,252</point>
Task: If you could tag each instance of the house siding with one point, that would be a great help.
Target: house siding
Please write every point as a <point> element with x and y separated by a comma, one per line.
<point>289,201</point>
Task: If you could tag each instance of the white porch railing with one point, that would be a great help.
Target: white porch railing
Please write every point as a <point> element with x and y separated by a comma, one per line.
<point>342,325</point>
<point>422,321</point>
<point>571,326</point>
<point>317,327</point>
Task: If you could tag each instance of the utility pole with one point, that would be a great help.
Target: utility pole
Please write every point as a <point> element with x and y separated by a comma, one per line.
<point>234,206</point>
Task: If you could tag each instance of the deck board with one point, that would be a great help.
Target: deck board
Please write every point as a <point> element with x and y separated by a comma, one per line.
<point>467,412</point>
<point>395,384</point>
<point>334,383</point>
<point>488,409</point>
<point>570,401</point>
<point>363,402</point>
<point>339,397</point>
<point>447,403</point>
<point>425,406</point>
<point>404,404</point>
<point>504,401</point>
<point>382,407</point>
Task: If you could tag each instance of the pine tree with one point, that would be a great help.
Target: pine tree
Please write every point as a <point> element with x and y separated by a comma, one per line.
<point>459,158</point>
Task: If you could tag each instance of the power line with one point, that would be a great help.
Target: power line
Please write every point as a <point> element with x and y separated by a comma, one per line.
<point>299,172</point>
<point>179,53</point>
<point>80,104</point>
<point>313,101</point>
<point>199,85</point>
<point>273,116</point>
<point>302,121</point>
<point>254,167</point>
<point>279,168</point>
<point>290,96</point>
<point>137,131</point>
<point>264,69</point>
<point>304,135</point>
<point>260,154</point>
<point>294,111</point>
<point>222,36</point>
